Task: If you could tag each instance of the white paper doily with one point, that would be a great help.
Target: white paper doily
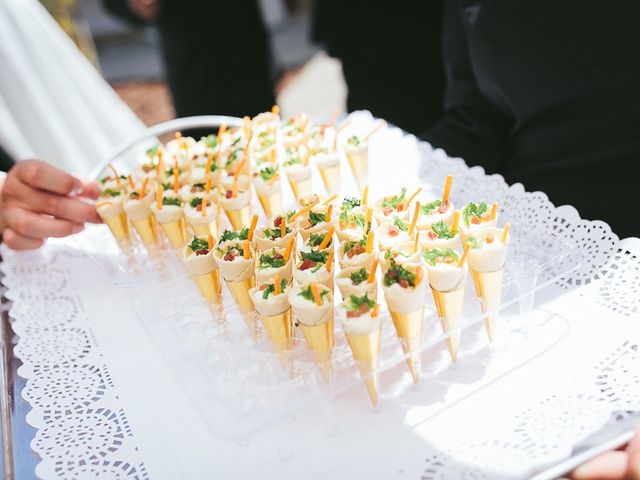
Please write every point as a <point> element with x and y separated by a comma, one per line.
<point>82,430</point>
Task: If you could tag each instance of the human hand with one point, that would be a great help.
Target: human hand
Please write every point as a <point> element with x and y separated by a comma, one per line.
<point>615,465</point>
<point>40,201</point>
<point>145,9</point>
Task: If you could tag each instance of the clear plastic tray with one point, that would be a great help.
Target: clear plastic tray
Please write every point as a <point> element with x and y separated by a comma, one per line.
<point>240,385</point>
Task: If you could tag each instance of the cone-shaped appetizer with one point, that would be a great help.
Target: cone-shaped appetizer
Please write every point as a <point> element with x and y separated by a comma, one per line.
<point>487,255</point>
<point>391,234</point>
<point>236,260</point>
<point>357,151</point>
<point>267,184</point>
<point>329,166</point>
<point>404,289</point>
<point>298,173</point>
<point>437,210</point>
<point>440,235</point>
<point>201,265</point>
<point>277,233</point>
<point>312,306</point>
<point>313,219</point>
<point>235,202</point>
<point>447,278</point>
<point>361,324</point>
<point>318,241</point>
<point>357,281</point>
<point>272,305</point>
<point>202,216</point>
<point>357,253</point>
<point>401,253</point>
<point>110,208</point>
<point>352,220</point>
<point>293,132</point>
<point>274,262</point>
<point>167,210</point>
<point>315,266</point>
<point>138,208</point>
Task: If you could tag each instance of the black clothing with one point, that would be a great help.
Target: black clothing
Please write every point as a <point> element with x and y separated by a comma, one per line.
<point>547,93</point>
<point>6,162</point>
<point>391,56</point>
<point>217,55</point>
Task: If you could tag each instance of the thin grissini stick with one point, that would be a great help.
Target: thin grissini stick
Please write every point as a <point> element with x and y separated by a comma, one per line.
<point>367,223</point>
<point>221,130</point>
<point>203,210</point>
<point>143,188</point>
<point>327,216</point>
<point>302,211</point>
<point>414,219</point>
<point>254,222</point>
<point>316,295</point>
<point>493,211</point>
<point>370,240</point>
<point>210,241</point>
<point>132,184</point>
<point>447,189</point>
<point>275,109</point>
<point>408,201</point>
<point>246,249</point>
<point>287,252</point>
<point>330,199</point>
<point>115,173</point>
<point>463,258</point>
<point>330,260</point>
<point>372,273</point>
<point>365,195</point>
<point>176,178</point>
<point>207,188</point>
<point>416,242</point>
<point>159,194</point>
<point>326,239</point>
<point>283,226</point>
<point>505,233</point>
<point>455,221</point>
<point>276,285</point>
<point>378,127</point>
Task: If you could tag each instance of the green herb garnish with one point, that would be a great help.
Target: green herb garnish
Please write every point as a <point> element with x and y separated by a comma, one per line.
<point>354,140</point>
<point>473,210</point>
<point>315,239</point>
<point>171,201</point>
<point>395,200</point>
<point>428,207</point>
<point>271,289</point>
<point>293,161</point>
<point>354,303</point>
<point>398,274</point>
<point>397,221</point>
<point>475,242</point>
<point>350,244</point>
<point>152,152</point>
<point>110,192</point>
<point>442,230</point>
<point>349,203</point>
<point>199,244</point>
<point>359,276</point>
<point>308,295</point>
<point>432,255</point>
<point>268,173</point>
<point>275,260</point>
<point>210,141</point>
<point>195,201</point>
<point>273,233</point>
<point>316,218</point>
<point>315,256</point>
<point>229,235</point>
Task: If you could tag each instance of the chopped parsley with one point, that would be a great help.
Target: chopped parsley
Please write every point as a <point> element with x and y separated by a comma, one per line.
<point>389,254</point>
<point>199,244</point>
<point>442,230</point>
<point>171,201</point>
<point>354,302</point>
<point>214,166</point>
<point>271,261</point>
<point>106,179</point>
<point>354,140</point>
<point>398,274</point>
<point>307,294</point>
<point>273,233</point>
<point>169,172</point>
<point>428,207</point>
<point>349,203</point>
<point>195,201</point>
<point>229,235</point>
<point>233,157</point>
<point>315,256</point>
<point>473,210</point>
<point>110,192</point>
<point>395,200</point>
<point>432,255</point>
<point>268,173</point>
<point>315,239</point>
<point>359,276</point>
<point>346,218</point>
<point>316,218</point>
<point>167,186</point>
<point>295,160</point>
<point>234,250</point>
<point>397,221</point>
<point>236,141</point>
<point>271,289</point>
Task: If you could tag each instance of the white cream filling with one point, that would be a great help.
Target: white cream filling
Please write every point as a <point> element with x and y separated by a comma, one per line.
<point>307,312</point>
<point>445,277</point>
<point>491,256</point>
<point>362,325</point>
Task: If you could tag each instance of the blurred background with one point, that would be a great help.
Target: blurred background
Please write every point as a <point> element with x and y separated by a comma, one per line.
<point>129,56</point>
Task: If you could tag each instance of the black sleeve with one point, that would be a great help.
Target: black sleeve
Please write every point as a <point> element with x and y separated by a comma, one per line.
<point>472,127</point>
<point>6,162</point>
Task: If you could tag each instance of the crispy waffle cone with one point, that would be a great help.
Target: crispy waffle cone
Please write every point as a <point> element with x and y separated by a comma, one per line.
<point>360,168</point>
<point>301,188</point>
<point>146,230</point>
<point>240,292</point>
<point>409,330</point>
<point>450,306</point>
<point>331,178</point>
<point>210,286</point>
<point>119,226</point>
<point>488,287</point>
<point>366,351</point>
<point>175,232</point>
<point>239,218</point>
<point>271,204</point>
<point>320,340</point>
